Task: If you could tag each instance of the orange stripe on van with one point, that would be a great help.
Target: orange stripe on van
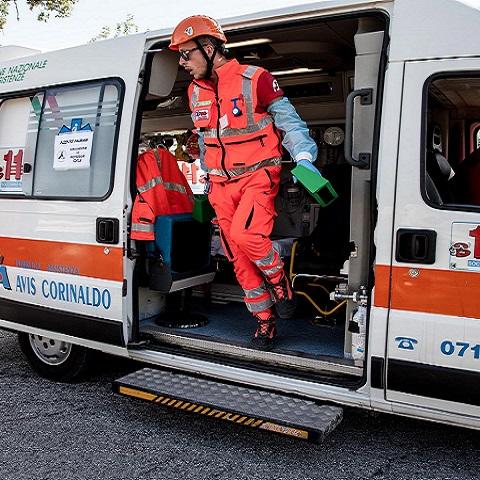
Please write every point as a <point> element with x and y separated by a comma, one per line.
<point>69,258</point>
<point>444,292</point>
<point>382,285</point>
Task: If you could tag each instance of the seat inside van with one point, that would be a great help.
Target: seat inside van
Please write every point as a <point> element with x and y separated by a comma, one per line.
<point>317,64</point>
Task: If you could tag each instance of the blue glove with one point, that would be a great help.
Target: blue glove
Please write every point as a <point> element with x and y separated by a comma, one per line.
<point>309,165</point>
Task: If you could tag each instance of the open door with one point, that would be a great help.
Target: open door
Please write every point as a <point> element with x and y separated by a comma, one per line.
<point>65,167</point>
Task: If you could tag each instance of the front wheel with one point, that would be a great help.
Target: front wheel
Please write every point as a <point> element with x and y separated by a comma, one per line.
<point>54,359</point>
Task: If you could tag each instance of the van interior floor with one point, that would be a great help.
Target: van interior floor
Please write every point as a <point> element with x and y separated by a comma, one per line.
<point>231,323</point>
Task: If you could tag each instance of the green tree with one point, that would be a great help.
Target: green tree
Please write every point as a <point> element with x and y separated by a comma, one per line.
<point>43,8</point>
<point>121,28</point>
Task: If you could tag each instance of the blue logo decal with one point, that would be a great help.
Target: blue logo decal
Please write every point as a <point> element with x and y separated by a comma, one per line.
<point>75,126</point>
<point>4,278</point>
<point>406,343</point>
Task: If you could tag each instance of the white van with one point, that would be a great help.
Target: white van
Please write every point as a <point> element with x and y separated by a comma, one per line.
<point>387,276</point>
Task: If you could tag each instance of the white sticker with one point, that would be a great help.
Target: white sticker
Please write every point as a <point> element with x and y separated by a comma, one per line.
<point>73,150</point>
<point>223,121</point>
<point>465,247</point>
<point>201,114</point>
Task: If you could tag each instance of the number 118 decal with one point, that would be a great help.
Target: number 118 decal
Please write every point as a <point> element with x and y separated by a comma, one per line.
<point>11,170</point>
<point>465,247</point>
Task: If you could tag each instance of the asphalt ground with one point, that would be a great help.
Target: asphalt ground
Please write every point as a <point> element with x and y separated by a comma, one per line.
<point>51,431</point>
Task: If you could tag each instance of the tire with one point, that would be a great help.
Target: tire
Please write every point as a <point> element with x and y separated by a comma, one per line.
<point>53,359</point>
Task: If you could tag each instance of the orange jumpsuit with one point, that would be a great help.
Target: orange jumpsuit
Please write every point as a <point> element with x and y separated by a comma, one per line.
<point>243,158</point>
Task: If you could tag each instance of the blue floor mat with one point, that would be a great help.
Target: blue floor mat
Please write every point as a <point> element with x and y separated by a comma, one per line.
<point>233,324</point>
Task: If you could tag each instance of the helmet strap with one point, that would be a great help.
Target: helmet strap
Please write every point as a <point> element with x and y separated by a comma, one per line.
<point>208,59</point>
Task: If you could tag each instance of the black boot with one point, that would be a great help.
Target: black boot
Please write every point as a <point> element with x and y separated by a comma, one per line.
<point>264,336</point>
<point>282,295</point>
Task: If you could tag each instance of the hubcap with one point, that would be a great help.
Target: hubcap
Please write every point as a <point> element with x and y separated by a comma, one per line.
<point>50,351</point>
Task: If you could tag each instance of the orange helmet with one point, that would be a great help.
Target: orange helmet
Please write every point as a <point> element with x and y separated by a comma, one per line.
<point>194,27</point>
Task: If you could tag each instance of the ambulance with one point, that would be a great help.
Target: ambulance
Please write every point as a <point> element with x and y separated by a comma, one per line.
<point>387,276</point>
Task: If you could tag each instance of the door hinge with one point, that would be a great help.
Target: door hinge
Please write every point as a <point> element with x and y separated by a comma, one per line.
<point>342,292</point>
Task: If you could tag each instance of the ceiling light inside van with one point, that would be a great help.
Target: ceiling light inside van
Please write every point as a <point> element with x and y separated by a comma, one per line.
<point>296,70</point>
<point>255,41</point>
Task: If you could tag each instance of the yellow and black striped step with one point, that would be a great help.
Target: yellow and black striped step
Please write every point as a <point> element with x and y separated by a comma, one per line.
<point>296,417</point>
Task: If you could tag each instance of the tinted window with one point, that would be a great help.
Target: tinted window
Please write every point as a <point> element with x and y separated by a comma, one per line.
<point>76,141</point>
<point>59,143</point>
<point>452,154</point>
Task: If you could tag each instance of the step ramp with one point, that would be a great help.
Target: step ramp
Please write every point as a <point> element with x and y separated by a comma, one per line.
<point>300,418</point>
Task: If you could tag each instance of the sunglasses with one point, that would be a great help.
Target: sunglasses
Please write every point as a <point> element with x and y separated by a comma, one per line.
<point>185,54</point>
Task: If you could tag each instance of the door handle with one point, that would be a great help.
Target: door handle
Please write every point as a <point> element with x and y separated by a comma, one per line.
<point>107,230</point>
<point>416,246</point>
<point>366,98</point>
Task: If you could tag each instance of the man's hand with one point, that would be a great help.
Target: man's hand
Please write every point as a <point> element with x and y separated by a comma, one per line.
<point>309,165</point>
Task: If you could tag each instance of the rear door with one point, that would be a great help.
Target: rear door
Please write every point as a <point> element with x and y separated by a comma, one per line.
<point>65,130</point>
<point>433,344</point>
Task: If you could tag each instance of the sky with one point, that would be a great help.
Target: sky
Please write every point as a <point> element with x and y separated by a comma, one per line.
<point>89,16</point>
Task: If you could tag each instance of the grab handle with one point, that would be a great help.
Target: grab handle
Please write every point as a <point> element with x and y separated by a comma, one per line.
<point>366,98</point>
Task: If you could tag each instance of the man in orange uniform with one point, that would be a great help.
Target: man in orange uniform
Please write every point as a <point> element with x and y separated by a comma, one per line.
<point>237,110</point>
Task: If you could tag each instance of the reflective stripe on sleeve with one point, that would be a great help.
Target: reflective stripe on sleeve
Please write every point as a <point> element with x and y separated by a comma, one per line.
<point>150,184</point>
<point>175,187</point>
<point>142,227</point>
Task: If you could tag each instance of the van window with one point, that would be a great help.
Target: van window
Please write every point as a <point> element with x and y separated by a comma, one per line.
<point>476,137</point>
<point>19,121</point>
<point>452,154</point>
<point>75,147</point>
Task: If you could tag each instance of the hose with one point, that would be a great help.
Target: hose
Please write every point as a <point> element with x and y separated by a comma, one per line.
<point>291,275</point>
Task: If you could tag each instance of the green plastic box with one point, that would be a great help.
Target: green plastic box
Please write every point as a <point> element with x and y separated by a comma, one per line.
<point>316,185</point>
<point>202,210</point>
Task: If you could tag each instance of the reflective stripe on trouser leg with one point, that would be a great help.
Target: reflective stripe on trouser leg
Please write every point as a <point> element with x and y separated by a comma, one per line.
<point>271,266</point>
<point>249,201</point>
<point>252,222</point>
<point>257,299</point>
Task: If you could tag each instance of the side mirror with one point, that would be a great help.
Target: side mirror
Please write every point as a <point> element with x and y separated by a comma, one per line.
<point>163,74</point>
